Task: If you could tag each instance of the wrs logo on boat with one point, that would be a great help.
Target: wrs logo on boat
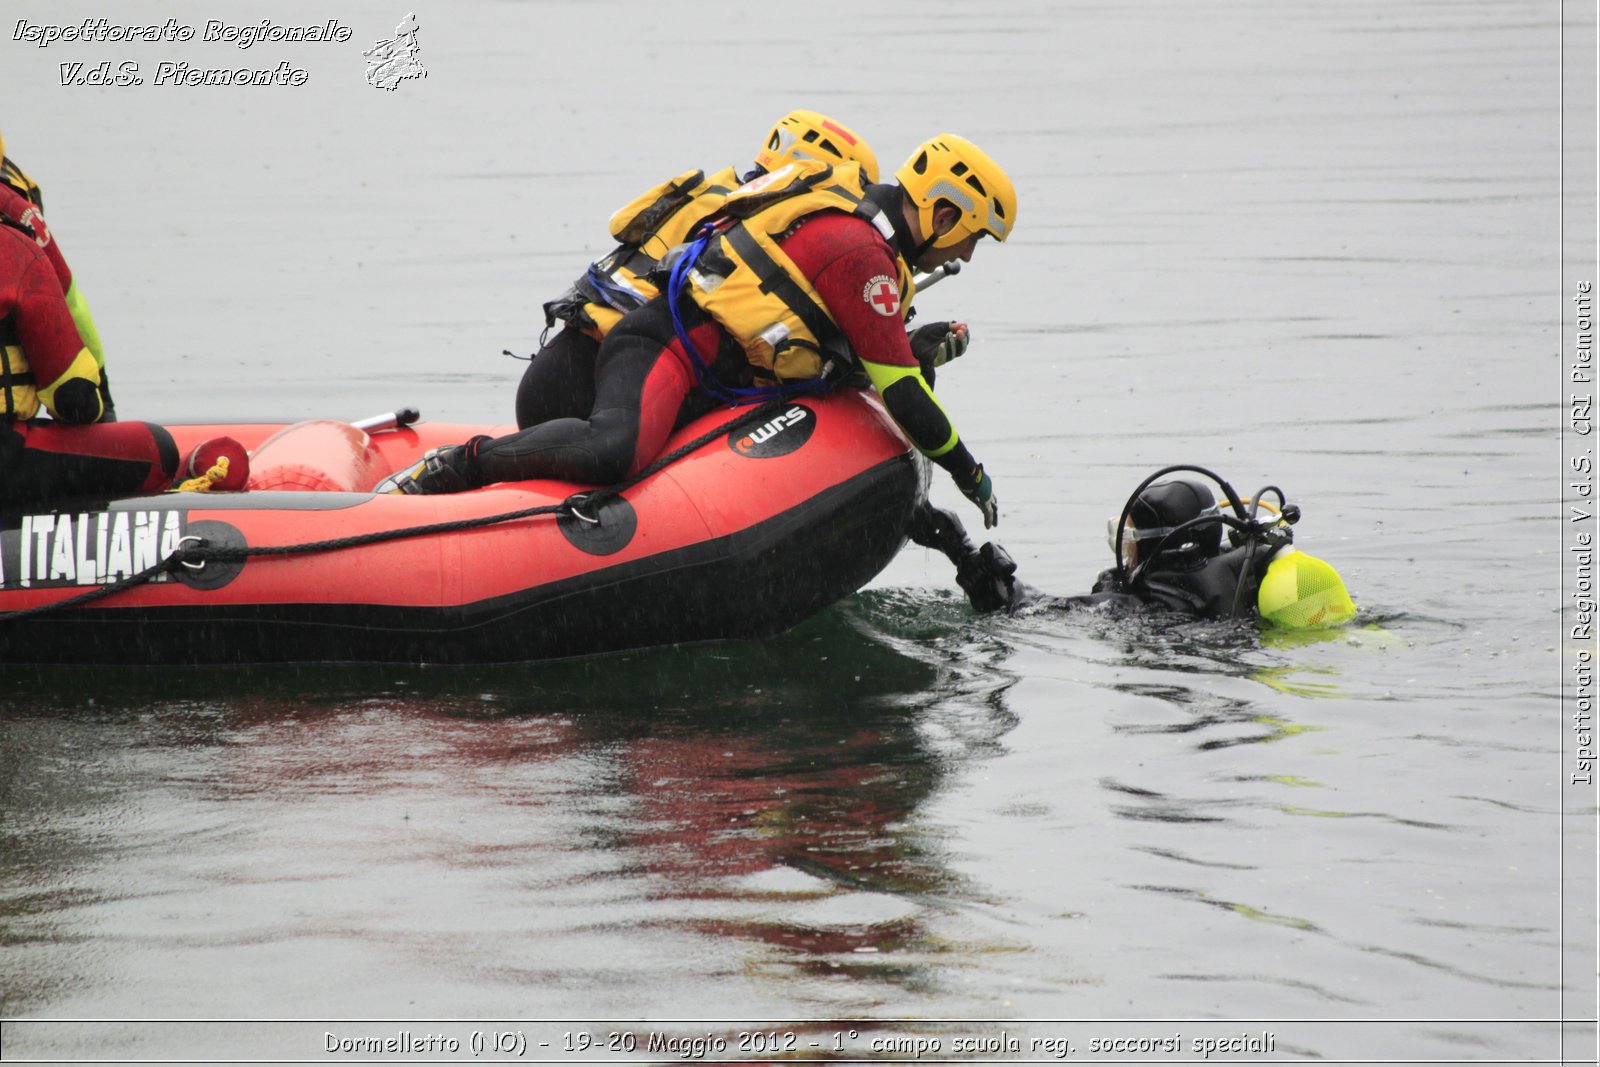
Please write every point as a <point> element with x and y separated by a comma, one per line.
<point>778,436</point>
<point>88,548</point>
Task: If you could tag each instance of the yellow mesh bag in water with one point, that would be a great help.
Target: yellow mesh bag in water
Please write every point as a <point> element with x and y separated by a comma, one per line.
<point>1301,592</point>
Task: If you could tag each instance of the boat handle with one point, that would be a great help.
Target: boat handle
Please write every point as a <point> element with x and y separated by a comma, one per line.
<point>573,502</point>
<point>197,540</point>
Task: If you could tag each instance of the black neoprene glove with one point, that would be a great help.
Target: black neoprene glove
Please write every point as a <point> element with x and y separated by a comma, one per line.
<point>936,344</point>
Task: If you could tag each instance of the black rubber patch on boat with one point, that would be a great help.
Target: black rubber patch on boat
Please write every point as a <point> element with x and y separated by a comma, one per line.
<point>615,524</point>
<point>212,574</point>
<point>778,436</point>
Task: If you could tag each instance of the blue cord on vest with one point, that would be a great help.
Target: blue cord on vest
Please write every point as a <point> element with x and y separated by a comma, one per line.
<point>728,394</point>
<point>616,296</point>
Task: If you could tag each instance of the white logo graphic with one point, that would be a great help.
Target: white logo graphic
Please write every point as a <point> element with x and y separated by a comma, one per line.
<point>393,61</point>
<point>882,294</point>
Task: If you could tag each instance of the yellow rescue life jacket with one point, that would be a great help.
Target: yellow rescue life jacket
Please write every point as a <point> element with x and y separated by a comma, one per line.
<point>658,219</point>
<point>744,280</point>
<point>19,395</point>
<point>15,177</point>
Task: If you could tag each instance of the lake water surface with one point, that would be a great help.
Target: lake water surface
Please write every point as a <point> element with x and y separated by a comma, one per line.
<point>1318,247</point>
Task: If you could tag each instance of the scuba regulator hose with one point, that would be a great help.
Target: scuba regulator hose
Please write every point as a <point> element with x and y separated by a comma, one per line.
<point>1246,524</point>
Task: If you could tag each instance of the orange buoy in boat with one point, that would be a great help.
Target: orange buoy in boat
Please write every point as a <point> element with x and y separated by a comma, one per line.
<point>319,455</point>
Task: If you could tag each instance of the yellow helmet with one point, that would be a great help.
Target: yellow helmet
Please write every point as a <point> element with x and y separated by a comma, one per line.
<point>812,135</point>
<point>1301,592</point>
<point>953,169</point>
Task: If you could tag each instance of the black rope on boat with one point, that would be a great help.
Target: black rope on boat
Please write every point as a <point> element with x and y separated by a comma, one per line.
<point>197,553</point>
<point>171,563</point>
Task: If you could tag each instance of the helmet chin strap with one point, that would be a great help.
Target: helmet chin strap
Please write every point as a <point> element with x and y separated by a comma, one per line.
<point>923,248</point>
<point>917,251</point>
<point>933,224</point>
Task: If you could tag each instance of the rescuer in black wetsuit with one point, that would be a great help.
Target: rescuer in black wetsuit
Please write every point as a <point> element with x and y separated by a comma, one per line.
<point>1171,557</point>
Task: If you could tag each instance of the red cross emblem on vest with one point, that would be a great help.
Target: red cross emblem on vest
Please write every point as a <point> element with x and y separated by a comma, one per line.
<point>882,294</point>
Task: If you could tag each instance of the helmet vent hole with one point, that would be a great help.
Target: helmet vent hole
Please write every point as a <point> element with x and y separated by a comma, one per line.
<point>959,169</point>
<point>998,209</point>
<point>829,147</point>
<point>921,165</point>
<point>773,141</point>
<point>811,137</point>
<point>972,180</point>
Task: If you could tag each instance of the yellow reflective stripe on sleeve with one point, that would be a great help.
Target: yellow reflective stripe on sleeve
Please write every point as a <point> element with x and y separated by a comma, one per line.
<point>882,375</point>
<point>83,366</point>
<point>85,323</point>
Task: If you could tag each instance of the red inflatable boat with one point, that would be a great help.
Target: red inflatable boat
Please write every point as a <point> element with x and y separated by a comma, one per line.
<point>769,520</point>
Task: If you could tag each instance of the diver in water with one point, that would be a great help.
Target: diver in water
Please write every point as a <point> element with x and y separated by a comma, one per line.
<point>1177,552</point>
